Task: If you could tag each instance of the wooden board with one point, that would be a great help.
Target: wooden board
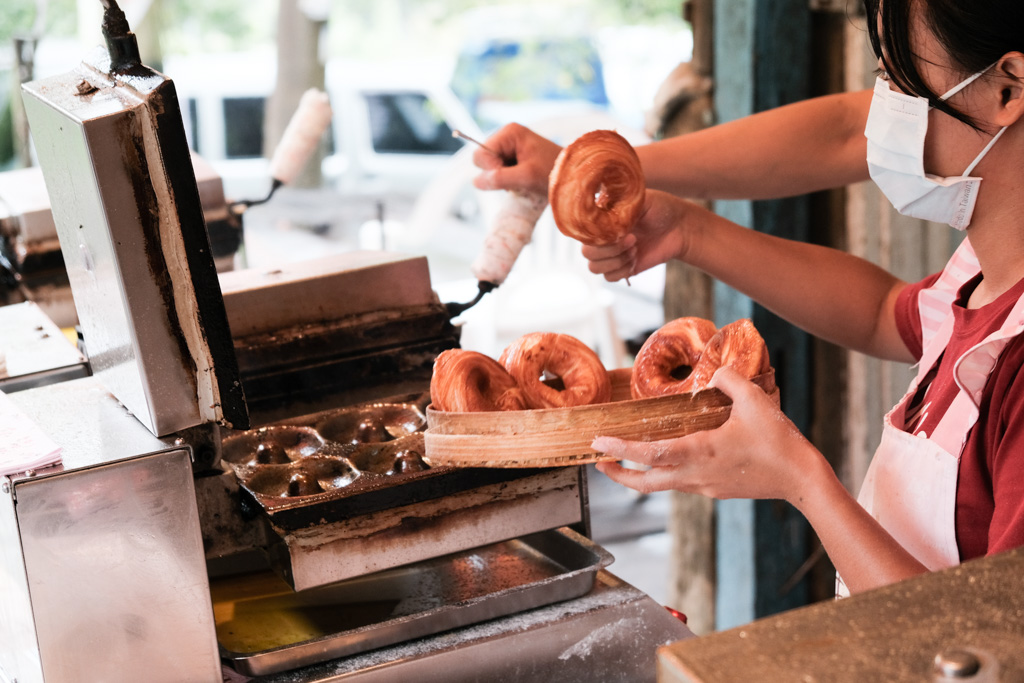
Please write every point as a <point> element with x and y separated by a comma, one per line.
<point>562,436</point>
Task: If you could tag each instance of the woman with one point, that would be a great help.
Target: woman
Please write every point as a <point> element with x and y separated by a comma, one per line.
<point>947,482</point>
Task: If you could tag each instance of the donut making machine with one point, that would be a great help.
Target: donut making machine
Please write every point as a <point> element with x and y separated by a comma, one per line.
<point>242,490</point>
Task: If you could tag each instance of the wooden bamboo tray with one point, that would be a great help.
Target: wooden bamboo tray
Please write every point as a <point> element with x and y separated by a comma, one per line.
<point>562,436</point>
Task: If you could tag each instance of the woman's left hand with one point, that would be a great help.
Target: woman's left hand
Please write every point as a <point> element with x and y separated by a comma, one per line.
<point>758,453</point>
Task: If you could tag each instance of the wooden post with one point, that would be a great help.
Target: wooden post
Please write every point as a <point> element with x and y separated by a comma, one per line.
<point>762,60</point>
<point>23,72</point>
<point>688,292</point>
<point>298,68</point>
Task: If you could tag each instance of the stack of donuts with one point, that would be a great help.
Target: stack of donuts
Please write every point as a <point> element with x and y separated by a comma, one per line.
<point>549,370</point>
<point>526,376</point>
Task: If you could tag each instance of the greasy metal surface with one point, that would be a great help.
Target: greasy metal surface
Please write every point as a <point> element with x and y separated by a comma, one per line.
<point>309,477</point>
<point>116,574</point>
<point>273,630</point>
<point>273,445</point>
<point>345,360</point>
<point>374,443</point>
<point>359,545</point>
<point>340,463</point>
<point>36,351</point>
<point>347,493</point>
<point>889,634</point>
<point>374,423</point>
<point>226,531</point>
<point>302,347</point>
<point>132,236</point>
<point>608,635</point>
<point>318,290</point>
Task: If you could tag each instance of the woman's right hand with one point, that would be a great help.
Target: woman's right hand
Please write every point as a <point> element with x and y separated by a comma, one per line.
<point>660,235</point>
<point>522,164</point>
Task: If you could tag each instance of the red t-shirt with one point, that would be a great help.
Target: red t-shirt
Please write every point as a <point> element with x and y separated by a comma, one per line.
<point>990,488</point>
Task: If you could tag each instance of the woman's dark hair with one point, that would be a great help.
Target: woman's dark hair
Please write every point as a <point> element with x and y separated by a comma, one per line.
<point>975,33</point>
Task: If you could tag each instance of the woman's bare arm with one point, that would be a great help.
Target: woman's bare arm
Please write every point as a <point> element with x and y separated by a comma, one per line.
<point>804,147</point>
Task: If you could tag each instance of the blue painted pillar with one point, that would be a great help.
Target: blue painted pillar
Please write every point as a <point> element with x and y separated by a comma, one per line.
<point>762,60</point>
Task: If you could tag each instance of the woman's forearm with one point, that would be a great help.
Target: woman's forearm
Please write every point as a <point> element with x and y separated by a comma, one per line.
<point>833,295</point>
<point>863,553</point>
<point>804,147</point>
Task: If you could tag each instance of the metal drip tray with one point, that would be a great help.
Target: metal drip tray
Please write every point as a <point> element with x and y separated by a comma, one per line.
<point>264,627</point>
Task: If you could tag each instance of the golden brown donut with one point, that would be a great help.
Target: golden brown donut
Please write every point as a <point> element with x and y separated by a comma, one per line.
<point>538,354</point>
<point>467,381</point>
<point>596,188</point>
<point>664,365</point>
<point>737,345</point>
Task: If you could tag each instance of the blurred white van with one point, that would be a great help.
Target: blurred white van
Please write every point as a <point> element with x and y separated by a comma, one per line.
<point>391,132</point>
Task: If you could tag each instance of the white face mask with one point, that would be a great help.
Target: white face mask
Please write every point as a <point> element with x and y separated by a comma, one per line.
<point>896,128</point>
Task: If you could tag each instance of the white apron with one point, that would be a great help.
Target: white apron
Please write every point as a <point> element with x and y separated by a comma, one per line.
<point>910,486</point>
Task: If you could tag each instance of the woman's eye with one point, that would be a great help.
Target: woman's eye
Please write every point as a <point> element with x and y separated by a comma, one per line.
<point>882,73</point>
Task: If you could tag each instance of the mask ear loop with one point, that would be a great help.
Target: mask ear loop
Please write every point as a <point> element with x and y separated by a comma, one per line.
<point>957,88</point>
<point>963,84</point>
<point>981,156</point>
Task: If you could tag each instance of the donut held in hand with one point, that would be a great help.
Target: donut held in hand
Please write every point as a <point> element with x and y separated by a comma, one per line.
<point>537,355</point>
<point>664,365</point>
<point>596,188</point>
<point>467,381</point>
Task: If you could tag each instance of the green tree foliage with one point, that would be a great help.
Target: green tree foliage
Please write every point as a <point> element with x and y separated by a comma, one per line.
<point>18,17</point>
<point>195,26</point>
<point>385,29</point>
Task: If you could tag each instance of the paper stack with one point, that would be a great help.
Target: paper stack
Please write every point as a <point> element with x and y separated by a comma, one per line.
<point>23,445</point>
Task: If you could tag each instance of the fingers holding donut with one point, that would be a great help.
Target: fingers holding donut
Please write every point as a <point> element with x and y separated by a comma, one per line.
<point>538,355</point>
<point>613,261</point>
<point>664,231</point>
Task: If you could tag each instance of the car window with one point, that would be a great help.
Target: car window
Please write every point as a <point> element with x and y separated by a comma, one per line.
<point>328,140</point>
<point>408,123</point>
<point>192,129</point>
<point>243,129</point>
<point>529,69</point>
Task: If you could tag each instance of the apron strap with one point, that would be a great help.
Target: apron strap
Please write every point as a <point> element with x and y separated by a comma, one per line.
<point>974,367</point>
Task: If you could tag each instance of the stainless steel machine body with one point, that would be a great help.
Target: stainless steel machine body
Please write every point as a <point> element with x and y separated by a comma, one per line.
<point>101,558</point>
<point>130,223</point>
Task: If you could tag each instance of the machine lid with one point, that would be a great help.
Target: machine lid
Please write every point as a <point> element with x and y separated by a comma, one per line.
<point>123,192</point>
